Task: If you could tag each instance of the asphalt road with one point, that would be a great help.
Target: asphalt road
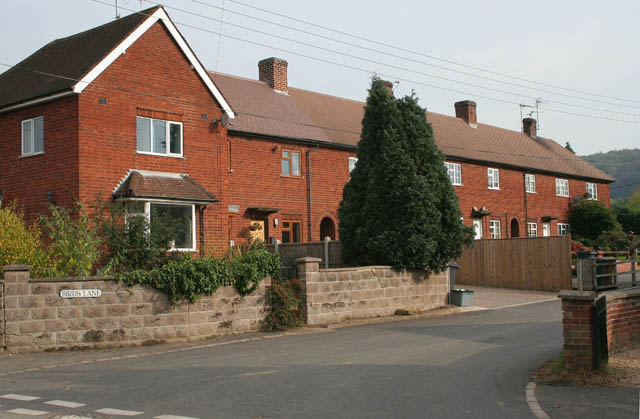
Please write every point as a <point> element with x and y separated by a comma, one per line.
<point>471,365</point>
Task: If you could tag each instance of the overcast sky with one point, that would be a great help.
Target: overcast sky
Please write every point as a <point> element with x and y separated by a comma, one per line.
<point>583,55</point>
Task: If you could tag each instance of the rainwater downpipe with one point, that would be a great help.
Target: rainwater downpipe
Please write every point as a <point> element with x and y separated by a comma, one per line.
<point>309,189</point>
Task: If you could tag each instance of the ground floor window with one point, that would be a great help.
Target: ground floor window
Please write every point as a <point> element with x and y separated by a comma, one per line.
<point>532,230</point>
<point>494,229</point>
<point>177,218</point>
<point>291,231</point>
<point>563,229</point>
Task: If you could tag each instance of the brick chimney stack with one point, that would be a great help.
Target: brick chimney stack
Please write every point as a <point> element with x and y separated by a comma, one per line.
<point>466,110</point>
<point>388,85</point>
<point>273,71</point>
<point>529,127</point>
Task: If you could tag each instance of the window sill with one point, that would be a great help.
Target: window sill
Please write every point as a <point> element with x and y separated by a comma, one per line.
<point>292,176</point>
<point>533,193</point>
<point>494,189</point>
<point>183,250</point>
<point>456,184</point>
<point>173,156</point>
<point>23,156</point>
<point>562,196</point>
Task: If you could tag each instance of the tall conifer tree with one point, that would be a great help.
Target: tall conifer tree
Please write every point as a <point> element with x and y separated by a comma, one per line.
<point>399,208</point>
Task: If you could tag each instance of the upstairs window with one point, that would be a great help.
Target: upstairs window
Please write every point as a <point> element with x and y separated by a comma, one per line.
<point>352,163</point>
<point>494,178</point>
<point>290,163</point>
<point>157,136</point>
<point>563,229</point>
<point>454,171</point>
<point>562,187</point>
<point>532,229</point>
<point>530,183</point>
<point>494,229</point>
<point>33,136</point>
<point>592,191</point>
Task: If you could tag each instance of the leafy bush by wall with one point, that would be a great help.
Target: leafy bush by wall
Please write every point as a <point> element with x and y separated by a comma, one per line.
<point>20,244</point>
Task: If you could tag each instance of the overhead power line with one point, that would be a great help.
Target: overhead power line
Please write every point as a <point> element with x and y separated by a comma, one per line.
<point>431,56</point>
<point>368,71</point>
<point>391,55</point>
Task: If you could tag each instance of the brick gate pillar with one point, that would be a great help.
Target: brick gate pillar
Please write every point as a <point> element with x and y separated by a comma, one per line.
<point>577,327</point>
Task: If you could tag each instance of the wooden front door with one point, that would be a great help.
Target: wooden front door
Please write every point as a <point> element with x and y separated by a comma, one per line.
<point>256,230</point>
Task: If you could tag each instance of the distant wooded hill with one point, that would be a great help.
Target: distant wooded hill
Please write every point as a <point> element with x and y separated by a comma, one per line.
<point>623,165</point>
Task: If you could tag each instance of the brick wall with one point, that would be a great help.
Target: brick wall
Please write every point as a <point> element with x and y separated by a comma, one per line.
<point>623,320</point>
<point>508,203</point>
<point>37,318</point>
<point>623,325</point>
<point>339,295</point>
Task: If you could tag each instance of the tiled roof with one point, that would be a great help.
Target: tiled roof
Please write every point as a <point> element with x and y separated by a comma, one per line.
<point>71,57</point>
<point>158,185</point>
<point>314,116</point>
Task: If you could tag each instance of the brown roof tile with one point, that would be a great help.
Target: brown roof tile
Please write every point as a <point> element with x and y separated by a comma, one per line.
<point>157,185</point>
<point>314,116</point>
<point>71,57</point>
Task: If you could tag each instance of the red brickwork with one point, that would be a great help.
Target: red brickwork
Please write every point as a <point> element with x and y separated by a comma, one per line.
<point>28,179</point>
<point>623,322</point>
<point>273,71</point>
<point>510,201</point>
<point>577,328</point>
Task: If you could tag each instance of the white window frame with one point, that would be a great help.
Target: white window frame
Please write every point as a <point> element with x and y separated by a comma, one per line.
<point>562,187</point>
<point>495,231</point>
<point>532,229</point>
<point>592,190</point>
<point>352,164</point>
<point>147,215</point>
<point>530,183</point>
<point>32,136</point>
<point>168,124</point>
<point>454,170</point>
<point>493,178</point>
<point>563,229</point>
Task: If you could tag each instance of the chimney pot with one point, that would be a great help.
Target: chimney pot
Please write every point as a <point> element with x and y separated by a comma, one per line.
<point>466,110</point>
<point>529,127</point>
<point>273,71</point>
<point>388,85</point>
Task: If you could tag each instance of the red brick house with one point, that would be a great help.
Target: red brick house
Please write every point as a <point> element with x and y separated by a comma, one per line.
<point>127,111</point>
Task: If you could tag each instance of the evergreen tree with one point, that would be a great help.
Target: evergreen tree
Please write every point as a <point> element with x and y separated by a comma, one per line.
<point>399,208</point>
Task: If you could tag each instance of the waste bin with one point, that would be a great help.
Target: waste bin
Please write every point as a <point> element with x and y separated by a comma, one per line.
<point>461,297</point>
<point>453,268</point>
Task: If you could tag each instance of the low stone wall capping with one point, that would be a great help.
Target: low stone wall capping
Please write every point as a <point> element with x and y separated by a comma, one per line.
<point>37,318</point>
<point>338,295</point>
<point>623,324</point>
<point>98,312</point>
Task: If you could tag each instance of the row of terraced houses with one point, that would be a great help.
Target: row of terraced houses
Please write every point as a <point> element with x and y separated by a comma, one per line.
<point>127,111</point>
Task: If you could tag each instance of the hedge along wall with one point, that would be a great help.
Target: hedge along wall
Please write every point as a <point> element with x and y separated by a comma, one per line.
<point>339,295</point>
<point>37,318</point>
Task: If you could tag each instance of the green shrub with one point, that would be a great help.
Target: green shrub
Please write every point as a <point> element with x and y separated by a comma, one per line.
<point>589,219</point>
<point>188,279</point>
<point>135,244</point>
<point>285,300</point>
<point>20,244</point>
<point>73,243</point>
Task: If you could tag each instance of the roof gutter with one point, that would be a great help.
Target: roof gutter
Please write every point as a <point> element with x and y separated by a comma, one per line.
<point>38,101</point>
<point>295,140</point>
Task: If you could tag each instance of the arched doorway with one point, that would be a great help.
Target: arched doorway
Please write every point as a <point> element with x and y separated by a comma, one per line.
<point>327,228</point>
<point>515,228</point>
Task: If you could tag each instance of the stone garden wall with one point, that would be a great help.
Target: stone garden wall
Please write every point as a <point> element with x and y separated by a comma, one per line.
<point>339,295</point>
<point>99,313</point>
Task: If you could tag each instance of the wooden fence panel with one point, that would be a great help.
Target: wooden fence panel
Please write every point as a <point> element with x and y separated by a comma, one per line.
<point>541,263</point>
<point>289,252</point>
